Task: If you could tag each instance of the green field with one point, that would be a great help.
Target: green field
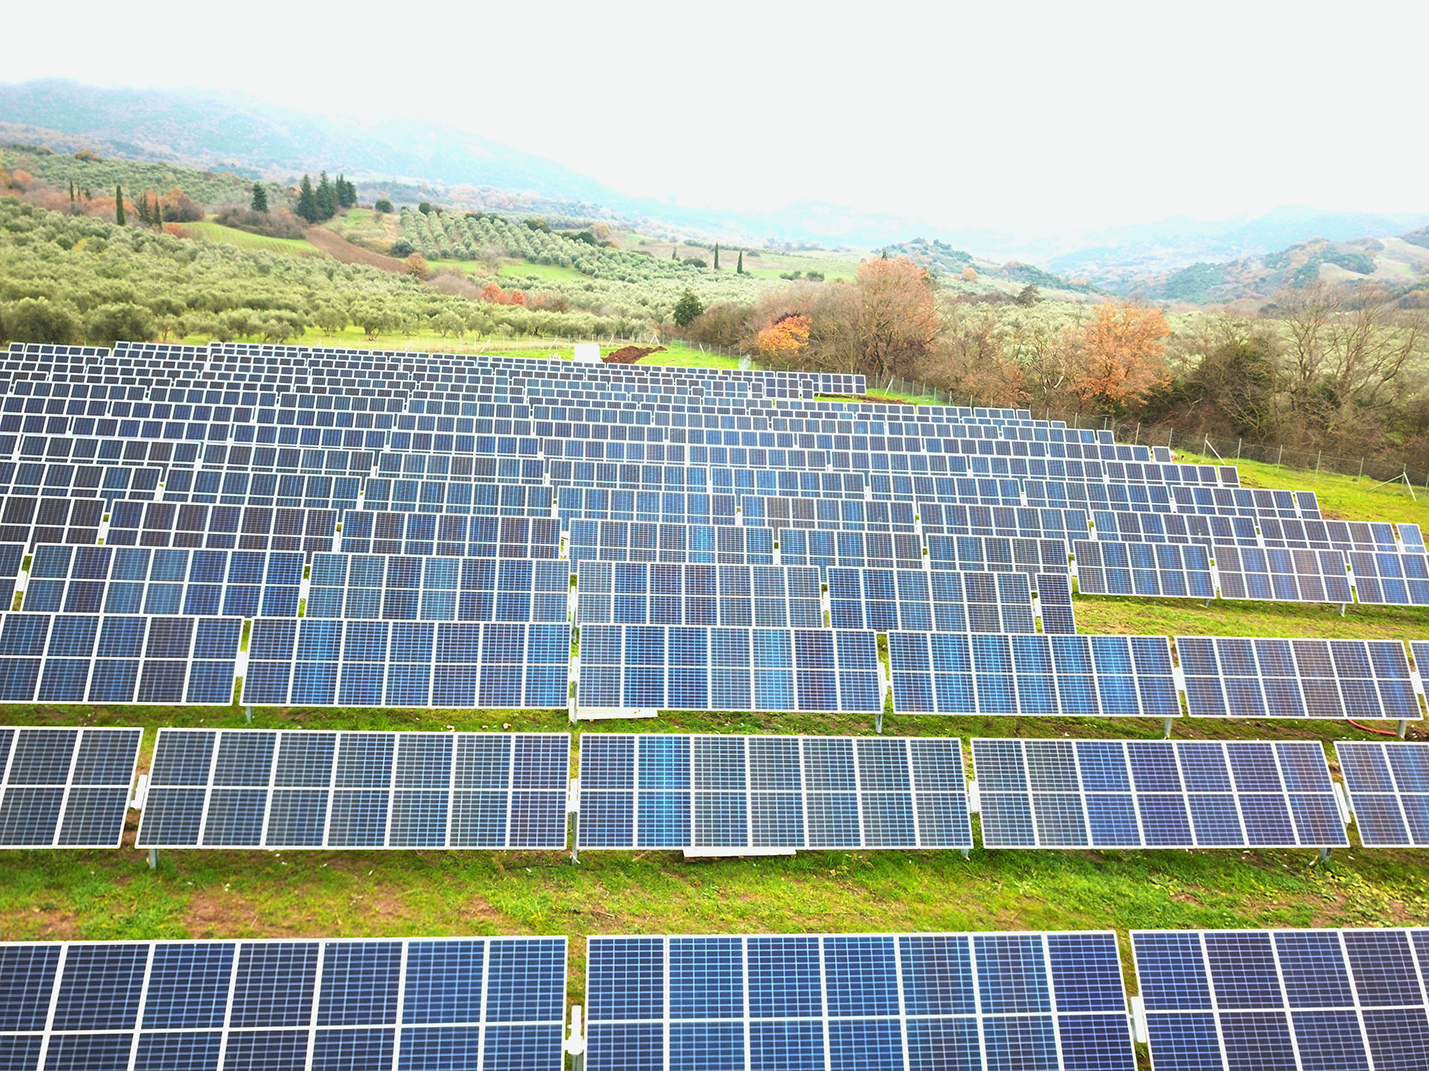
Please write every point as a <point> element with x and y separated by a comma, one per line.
<point>514,273</point>
<point>214,232</point>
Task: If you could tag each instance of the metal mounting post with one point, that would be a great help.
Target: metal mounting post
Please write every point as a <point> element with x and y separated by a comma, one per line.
<point>1324,855</point>
<point>153,858</point>
<point>878,722</point>
<point>248,715</point>
<point>1403,728</point>
<point>1166,728</point>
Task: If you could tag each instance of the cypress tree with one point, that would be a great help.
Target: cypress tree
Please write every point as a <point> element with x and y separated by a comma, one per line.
<point>260,198</point>
<point>118,204</point>
<point>326,197</point>
<point>142,208</point>
<point>307,201</point>
<point>739,265</point>
<point>675,252</point>
<point>716,267</point>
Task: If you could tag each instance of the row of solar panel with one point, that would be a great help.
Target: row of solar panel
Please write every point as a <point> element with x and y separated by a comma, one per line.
<point>293,789</point>
<point>1209,999</point>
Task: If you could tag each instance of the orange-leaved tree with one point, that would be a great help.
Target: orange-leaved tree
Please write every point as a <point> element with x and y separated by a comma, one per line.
<point>893,317</point>
<point>783,338</point>
<point>1123,357</point>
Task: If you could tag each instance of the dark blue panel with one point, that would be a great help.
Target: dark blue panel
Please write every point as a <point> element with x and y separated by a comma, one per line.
<point>865,1045</point>
<point>1188,1041</point>
<point>100,988</point>
<point>353,1050</point>
<point>631,976</point>
<point>787,1046</point>
<point>27,975</point>
<point>438,988</point>
<point>178,1052</point>
<point>861,976</point>
<point>706,978</point>
<point>188,986</point>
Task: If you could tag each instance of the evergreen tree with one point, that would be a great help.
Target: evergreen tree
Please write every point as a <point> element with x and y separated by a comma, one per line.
<point>118,204</point>
<point>346,193</point>
<point>687,308</point>
<point>326,197</point>
<point>675,252</point>
<point>716,267</point>
<point>260,198</point>
<point>307,201</point>
<point>143,208</point>
<point>739,266</point>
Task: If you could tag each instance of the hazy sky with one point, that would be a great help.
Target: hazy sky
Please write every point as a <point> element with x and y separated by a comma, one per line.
<point>1024,115</point>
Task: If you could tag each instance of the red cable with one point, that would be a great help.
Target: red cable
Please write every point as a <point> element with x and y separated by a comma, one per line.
<point>1366,728</point>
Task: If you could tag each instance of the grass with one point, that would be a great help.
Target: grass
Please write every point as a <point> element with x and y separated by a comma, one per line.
<point>215,232</point>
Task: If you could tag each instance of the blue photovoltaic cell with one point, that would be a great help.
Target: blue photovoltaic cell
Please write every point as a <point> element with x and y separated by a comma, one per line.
<point>739,794</point>
<point>1388,785</point>
<point>350,1003</point>
<point>65,788</point>
<point>1340,998</point>
<point>297,789</point>
<point>1051,1000</point>
<point>1155,794</point>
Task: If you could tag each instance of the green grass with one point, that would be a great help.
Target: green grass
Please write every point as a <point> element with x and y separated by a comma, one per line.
<point>214,232</point>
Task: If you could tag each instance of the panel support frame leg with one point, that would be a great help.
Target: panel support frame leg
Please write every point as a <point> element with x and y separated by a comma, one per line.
<point>248,715</point>
<point>1166,725</point>
<point>1324,855</point>
<point>1403,729</point>
<point>878,722</point>
<point>153,858</point>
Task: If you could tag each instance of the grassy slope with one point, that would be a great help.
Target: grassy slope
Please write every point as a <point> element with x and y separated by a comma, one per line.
<point>215,232</point>
<point>113,894</point>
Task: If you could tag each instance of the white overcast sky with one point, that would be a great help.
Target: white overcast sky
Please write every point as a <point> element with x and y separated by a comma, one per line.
<point>1022,116</point>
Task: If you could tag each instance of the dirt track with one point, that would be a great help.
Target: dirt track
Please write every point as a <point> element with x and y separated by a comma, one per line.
<point>339,248</point>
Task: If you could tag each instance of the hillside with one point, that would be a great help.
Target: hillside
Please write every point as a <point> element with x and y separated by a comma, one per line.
<point>1400,263</point>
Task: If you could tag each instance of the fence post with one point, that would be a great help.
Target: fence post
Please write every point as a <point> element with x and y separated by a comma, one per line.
<point>1239,441</point>
<point>1361,475</point>
<point>1318,455</point>
<point>1280,456</point>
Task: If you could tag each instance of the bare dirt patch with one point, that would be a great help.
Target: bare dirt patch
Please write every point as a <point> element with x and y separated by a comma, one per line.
<point>630,354</point>
<point>339,248</point>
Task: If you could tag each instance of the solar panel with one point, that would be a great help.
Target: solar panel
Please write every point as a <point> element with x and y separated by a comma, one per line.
<point>1054,603</point>
<point>938,600</point>
<point>445,665</point>
<point>1038,674</point>
<point>664,667</point>
<point>65,788</point>
<point>495,1002</point>
<point>1388,786</point>
<point>405,588</point>
<point>738,795</point>
<point>637,593</point>
<point>1267,678</point>
<point>86,658</point>
<point>251,788</point>
<point>133,580</point>
<point>997,554</point>
<point>1389,578</point>
<point>1281,575</point>
<point>1323,998</point>
<point>1155,794</point>
<point>1172,570</point>
<point>809,1001</point>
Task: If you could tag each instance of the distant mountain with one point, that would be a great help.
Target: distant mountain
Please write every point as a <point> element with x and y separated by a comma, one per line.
<point>1399,263</point>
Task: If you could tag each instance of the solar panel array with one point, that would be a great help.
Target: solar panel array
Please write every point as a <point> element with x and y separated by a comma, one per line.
<point>494,1002</point>
<point>1081,676</point>
<point>1228,676</point>
<point>1390,578</point>
<point>1282,575</point>
<point>742,794</point>
<point>253,788</point>
<point>1313,999</point>
<point>664,667</point>
<point>1388,786</point>
<point>638,541</point>
<point>65,788</point>
<point>1173,570</point>
<point>403,588</point>
<point>983,1000</point>
<point>1155,794</point>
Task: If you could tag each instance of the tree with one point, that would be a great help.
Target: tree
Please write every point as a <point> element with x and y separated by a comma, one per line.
<point>782,339</point>
<point>716,257</point>
<point>892,316</point>
<point>1234,383</point>
<point>325,197</point>
<point>416,264</point>
<point>383,205</point>
<point>687,308</point>
<point>260,198</point>
<point>118,204</point>
<point>307,201</point>
<point>122,320</point>
<point>1029,295</point>
<point>739,265</point>
<point>37,320</point>
<point>1123,357</point>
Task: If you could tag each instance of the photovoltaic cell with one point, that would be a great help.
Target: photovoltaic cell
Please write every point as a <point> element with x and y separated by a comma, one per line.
<point>986,1000</point>
<point>1155,794</point>
<point>497,1002</point>
<point>1388,785</point>
<point>737,794</point>
<point>65,788</point>
<point>1315,999</point>
<point>252,788</point>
